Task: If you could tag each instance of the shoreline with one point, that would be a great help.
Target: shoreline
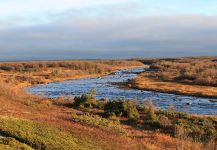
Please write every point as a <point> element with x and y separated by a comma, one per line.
<point>24,85</point>
<point>129,85</point>
<point>148,84</point>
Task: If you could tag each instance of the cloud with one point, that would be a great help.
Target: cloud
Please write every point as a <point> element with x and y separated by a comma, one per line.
<point>16,7</point>
<point>116,37</point>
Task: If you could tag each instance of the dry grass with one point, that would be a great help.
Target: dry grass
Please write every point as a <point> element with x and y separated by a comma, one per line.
<point>187,76</point>
<point>196,71</point>
<point>143,81</point>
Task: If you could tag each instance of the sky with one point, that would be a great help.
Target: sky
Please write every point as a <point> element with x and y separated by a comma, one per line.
<point>98,29</point>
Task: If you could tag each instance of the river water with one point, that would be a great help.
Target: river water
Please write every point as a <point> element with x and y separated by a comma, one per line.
<point>107,89</point>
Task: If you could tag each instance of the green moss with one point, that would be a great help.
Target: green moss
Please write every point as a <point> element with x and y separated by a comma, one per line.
<point>41,136</point>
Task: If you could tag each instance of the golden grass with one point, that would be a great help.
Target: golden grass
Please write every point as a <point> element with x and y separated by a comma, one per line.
<point>143,81</point>
<point>196,71</point>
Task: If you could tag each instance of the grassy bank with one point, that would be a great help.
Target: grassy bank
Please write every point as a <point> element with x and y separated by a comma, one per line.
<point>185,76</point>
<point>144,82</point>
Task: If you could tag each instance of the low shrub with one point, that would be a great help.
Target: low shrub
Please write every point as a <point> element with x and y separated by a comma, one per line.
<point>88,100</point>
<point>165,122</point>
<point>125,108</point>
<point>151,117</point>
<point>114,108</point>
<point>45,104</point>
<point>185,126</point>
<point>132,113</point>
<point>98,121</point>
<point>173,114</point>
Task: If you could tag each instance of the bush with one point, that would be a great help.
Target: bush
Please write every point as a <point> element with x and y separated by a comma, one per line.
<point>131,110</point>
<point>198,129</point>
<point>165,122</point>
<point>174,114</point>
<point>125,108</point>
<point>151,117</point>
<point>87,100</point>
<point>98,121</point>
<point>56,73</point>
<point>114,108</point>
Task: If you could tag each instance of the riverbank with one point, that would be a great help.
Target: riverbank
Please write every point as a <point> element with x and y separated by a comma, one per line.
<point>144,82</point>
<point>23,74</point>
<point>183,76</point>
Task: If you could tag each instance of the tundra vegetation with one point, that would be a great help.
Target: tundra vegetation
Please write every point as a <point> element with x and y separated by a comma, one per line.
<point>35,122</point>
<point>188,76</point>
<point>197,71</point>
<point>147,117</point>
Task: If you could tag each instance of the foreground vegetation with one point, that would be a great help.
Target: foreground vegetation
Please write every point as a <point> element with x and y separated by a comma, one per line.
<point>177,124</point>
<point>188,76</point>
<point>7,143</point>
<point>39,136</point>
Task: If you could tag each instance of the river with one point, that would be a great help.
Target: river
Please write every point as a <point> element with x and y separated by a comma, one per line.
<point>107,89</point>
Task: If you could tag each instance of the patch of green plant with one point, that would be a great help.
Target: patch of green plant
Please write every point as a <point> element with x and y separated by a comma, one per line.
<point>184,125</point>
<point>125,108</point>
<point>98,121</point>
<point>197,129</point>
<point>7,143</point>
<point>174,114</point>
<point>88,100</point>
<point>41,136</point>
<point>151,117</point>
